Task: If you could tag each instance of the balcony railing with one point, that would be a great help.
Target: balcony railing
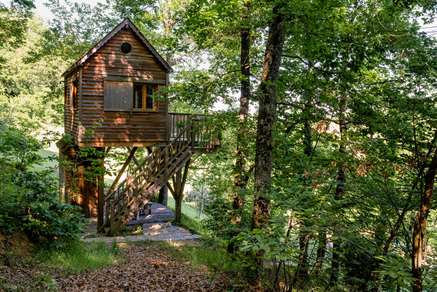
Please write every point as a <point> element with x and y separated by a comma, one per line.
<point>206,134</point>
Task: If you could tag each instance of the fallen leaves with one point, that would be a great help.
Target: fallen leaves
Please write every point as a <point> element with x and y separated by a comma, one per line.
<point>146,267</point>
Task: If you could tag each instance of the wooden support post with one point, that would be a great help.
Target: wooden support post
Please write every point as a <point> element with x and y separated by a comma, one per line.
<point>178,192</point>
<point>163,192</point>
<point>172,191</point>
<point>178,195</point>
<point>134,158</point>
<point>187,166</point>
<point>166,164</point>
<point>192,136</point>
<point>101,195</point>
<point>131,155</point>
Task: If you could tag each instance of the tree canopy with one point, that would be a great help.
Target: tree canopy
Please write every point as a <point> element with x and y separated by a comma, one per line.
<point>329,150</point>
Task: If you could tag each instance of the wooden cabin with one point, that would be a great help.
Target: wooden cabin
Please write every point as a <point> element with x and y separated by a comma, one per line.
<point>112,100</point>
<point>112,90</point>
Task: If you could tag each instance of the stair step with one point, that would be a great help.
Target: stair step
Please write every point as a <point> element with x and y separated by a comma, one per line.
<point>147,189</point>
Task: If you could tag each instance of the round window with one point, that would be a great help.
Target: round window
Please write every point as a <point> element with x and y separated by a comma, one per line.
<point>126,48</point>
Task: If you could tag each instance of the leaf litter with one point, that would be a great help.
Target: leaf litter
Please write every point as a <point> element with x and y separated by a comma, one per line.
<point>146,266</point>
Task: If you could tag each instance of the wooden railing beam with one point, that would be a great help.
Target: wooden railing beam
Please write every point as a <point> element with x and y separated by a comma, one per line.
<point>126,163</point>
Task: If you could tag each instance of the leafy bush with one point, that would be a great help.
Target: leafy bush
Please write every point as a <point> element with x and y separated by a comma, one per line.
<point>31,202</point>
<point>218,213</point>
<point>17,148</point>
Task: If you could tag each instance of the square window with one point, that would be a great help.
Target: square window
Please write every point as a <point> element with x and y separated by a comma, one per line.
<point>144,97</point>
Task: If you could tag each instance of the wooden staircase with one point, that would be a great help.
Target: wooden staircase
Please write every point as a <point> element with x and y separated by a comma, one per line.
<point>124,201</point>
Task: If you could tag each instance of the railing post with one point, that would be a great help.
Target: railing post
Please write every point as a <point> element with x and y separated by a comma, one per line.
<point>192,136</point>
<point>166,164</point>
<point>111,226</point>
<point>107,210</point>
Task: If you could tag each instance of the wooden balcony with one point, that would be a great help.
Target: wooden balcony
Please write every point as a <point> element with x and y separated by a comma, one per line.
<point>207,136</point>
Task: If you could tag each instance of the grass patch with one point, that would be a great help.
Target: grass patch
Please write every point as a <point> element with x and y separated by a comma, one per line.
<point>214,259</point>
<point>190,217</point>
<point>47,162</point>
<point>186,209</point>
<point>79,256</point>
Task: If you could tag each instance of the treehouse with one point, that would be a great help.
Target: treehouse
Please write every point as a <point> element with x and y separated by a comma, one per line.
<point>114,98</point>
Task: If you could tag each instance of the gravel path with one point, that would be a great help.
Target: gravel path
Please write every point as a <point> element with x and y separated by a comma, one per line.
<point>153,232</point>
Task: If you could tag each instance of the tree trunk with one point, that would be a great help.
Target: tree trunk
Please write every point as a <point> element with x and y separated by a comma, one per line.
<point>240,181</point>
<point>420,225</point>
<point>178,209</point>
<point>163,195</point>
<point>178,191</point>
<point>304,235</point>
<point>264,136</point>
<point>302,267</point>
<point>321,251</point>
<point>341,179</point>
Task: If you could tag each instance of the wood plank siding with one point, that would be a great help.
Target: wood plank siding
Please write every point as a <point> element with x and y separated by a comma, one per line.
<point>108,66</point>
<point>71,114</point>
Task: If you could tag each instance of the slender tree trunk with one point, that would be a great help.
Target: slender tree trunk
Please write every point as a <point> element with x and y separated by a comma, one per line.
<point>264,137</point>
<point>304,235</point>
<point>202,196</point>
<point>321,251</point>
<point>341,180</point>
<point>163,195</point>
<point>178,209</point>
<point>302,267</point>
<point>420,225</point>
<point>240,181</point>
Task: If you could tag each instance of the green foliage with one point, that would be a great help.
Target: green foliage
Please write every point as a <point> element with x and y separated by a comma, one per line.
<point>190,217</point>
<point>366,62</point>
<point>219,214</point>
<point>32,203</point>
<point>90,156</point>
<point>30,92</point>
<point>13,23</point>
<point>75,29</point>
<point>18,149</point>
<point>214,258</point>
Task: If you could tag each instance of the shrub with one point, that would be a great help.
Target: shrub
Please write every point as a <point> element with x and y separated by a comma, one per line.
<point>18,149</point>
<point>219,213</point>
<point>31,202</point>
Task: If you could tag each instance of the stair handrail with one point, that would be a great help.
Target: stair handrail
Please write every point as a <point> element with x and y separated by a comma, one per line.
<point>108,196</point>
<point>116,202</point>
<point>131,174</point>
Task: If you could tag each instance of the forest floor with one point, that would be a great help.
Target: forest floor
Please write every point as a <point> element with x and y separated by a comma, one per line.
<point>140,266</point>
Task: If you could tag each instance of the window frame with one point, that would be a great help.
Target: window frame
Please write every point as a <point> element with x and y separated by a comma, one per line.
<point>144,98</point>
<point>131,48</point>
<point>74,92</point>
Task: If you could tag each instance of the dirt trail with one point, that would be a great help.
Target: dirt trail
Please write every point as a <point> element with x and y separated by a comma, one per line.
<point>147,266</point>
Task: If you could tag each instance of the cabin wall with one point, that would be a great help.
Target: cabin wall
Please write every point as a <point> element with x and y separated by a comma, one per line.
<point>71,115</point>
<point>121,128</point>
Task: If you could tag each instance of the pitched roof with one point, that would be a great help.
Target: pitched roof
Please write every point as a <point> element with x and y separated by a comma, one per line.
<point>128,23</point>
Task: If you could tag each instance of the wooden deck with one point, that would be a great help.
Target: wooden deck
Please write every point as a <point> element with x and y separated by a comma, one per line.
<point>160,213</point>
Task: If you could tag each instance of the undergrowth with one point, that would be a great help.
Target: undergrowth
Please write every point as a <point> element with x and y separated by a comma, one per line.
<point>215,259</point>
<point>79,256</point>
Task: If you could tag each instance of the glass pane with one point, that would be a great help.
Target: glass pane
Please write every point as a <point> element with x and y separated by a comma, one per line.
<point>138,96</point>
<point>150,101</point>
